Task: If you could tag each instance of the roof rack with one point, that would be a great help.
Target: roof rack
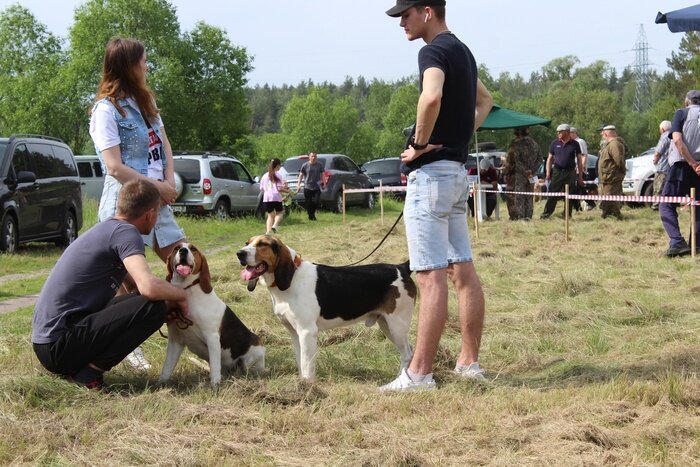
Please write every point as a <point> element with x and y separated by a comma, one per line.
<point>29,135</point>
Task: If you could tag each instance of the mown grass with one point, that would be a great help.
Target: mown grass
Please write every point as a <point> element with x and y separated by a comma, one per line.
<point>592,348</point>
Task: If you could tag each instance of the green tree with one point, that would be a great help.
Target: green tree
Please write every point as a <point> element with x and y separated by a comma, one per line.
<point>401,113</point>
<point>686,63</point>
<point>30,60</point>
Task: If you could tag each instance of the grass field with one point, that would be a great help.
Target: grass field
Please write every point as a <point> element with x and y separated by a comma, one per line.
<point>592,349</point>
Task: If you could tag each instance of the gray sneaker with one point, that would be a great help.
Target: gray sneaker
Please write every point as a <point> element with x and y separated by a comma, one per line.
<point>138,360</point>
<point>471,372</point>
<point>404,383</point>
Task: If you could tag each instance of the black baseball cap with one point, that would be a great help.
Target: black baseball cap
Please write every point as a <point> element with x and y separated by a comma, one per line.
<point>403,5</point>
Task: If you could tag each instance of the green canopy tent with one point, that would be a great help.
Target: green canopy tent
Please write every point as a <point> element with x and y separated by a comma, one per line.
<point>504,119</point>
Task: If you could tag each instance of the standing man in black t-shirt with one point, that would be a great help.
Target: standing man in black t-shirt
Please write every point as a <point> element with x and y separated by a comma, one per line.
<point>563,163</point>
<point>311,173</point>
<point>452,103</point>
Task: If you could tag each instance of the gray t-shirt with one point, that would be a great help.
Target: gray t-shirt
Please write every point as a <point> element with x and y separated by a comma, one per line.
<point>685,121</point>
<point>85,278</point>
<point>663,148</point>
<point>312,175</point>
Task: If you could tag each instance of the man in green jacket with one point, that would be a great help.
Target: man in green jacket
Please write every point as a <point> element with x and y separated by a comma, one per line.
<point>611,170</point>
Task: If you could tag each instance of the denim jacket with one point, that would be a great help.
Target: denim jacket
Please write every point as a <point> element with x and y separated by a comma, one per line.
<point>133,133</point>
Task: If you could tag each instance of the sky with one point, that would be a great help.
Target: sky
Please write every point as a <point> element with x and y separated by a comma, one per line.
<point>329,40</point>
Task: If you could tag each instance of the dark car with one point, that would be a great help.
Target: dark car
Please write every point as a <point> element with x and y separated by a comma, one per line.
<point>40,193</point>
<point>388,170</point>
<point>338,170</point>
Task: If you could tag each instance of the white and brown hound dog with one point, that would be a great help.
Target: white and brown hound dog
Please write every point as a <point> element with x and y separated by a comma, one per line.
<point>215,333</point>
<point>309,297</point>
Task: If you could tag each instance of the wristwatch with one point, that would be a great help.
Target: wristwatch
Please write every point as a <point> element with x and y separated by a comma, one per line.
<point>418,147</point>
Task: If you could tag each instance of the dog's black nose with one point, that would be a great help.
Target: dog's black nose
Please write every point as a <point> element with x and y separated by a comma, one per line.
<point>241,256</point>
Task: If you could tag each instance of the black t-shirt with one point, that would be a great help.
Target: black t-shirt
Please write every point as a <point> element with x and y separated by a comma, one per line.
<point>455,123</point>
<point>565,154</point>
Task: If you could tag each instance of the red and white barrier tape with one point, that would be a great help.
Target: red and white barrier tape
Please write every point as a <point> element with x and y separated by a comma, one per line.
<point>625,198</point>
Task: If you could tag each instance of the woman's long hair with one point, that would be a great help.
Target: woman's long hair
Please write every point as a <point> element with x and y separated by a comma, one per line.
<point>122,78</point>
<point>274,163</point>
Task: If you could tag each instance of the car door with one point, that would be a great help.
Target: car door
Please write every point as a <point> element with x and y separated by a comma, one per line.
<point>352,177</point>
<point>53,190</point>
<point>223,181</point>
<point>27,198</point>
<point>249,190</point>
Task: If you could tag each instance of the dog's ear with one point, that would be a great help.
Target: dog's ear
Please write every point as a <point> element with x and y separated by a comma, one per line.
<point>285,269</point>
<point>169,263</point>
<point>204,275</point>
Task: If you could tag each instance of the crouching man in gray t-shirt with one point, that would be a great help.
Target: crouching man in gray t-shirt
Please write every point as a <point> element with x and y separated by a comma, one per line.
<point>79,329</point>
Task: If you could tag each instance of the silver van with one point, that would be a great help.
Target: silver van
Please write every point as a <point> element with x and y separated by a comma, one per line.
<point>92,177</point>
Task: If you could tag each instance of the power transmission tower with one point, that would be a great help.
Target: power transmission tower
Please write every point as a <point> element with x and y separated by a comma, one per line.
<point>642,95</point>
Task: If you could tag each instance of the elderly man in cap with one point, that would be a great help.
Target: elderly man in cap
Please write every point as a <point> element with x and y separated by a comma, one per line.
<point>564,167</point>
<point>611,170</point>
<point>663,147</point>
<point>684,167</point>
<point>452,104</point>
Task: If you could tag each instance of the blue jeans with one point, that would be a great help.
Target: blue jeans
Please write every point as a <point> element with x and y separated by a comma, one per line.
<point>680,178</point>
<point>435,216</point>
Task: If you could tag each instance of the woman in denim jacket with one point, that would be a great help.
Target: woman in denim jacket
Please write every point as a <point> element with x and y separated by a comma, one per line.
<point>131,143</point>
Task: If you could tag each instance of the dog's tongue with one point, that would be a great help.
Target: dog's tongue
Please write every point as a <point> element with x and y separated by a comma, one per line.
<point>249,273</point>
<point>183,269</point>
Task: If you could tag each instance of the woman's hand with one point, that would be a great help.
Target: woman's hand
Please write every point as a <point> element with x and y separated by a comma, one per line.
<point>168,193</point>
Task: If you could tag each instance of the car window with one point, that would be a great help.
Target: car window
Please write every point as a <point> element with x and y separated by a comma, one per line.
<point>223,169</point>
<point>340,163</point>
<point>382,167</point>
<point>188,169</point>
<point>63,162</point>
<point>21,160</point>
<point>84,170</point>
<point>241,173</point>
<point>3,147</point>
<point>97,167</point>
<point>46,164</point>
<point>294,165</point>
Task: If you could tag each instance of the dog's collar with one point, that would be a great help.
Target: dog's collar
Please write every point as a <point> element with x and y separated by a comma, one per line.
<point>297,263</point>
<point>196,281</point>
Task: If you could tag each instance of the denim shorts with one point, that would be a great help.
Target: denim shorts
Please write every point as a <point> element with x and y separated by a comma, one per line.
<point>166,230</point>
<point>435,216</point>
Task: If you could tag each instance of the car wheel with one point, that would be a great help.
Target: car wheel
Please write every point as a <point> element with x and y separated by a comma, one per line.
<point>70,231</point>
<point>371,200</point>
<point>338,202</point>
<point>222,210</point>
<point>8,234</point>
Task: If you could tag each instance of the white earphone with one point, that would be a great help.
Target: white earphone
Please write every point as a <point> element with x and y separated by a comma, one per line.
<point>426,18</point>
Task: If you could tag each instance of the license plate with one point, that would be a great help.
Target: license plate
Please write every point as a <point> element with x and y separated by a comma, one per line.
<point>178,208</point>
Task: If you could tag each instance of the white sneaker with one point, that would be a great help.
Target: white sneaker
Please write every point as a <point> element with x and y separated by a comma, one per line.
<point>473,372</point>
<point>404,383</point>
<point>138,360</point>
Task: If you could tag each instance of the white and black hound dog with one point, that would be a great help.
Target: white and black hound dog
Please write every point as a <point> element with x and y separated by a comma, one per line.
<point>309,297</point>
<point>215,333</point>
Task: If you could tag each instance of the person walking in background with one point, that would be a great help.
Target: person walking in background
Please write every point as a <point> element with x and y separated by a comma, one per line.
<point>661,167</point>
<point>564,166</point>
<point>272,186</point>
<point>611,170</point>
<point>131,143</point>
<point>588,204</point>
<point>311,173</point>
<point>522,161</point>
<point>79,329</point>
<point>684,167</point>
<point>451,105</point>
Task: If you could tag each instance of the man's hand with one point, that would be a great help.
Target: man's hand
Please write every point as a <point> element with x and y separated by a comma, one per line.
<point>177,310</point>
<point>580,180</point>
<point>411,154</point>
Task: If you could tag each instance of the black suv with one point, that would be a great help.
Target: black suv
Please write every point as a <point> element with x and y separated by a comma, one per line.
<point>40,194</point>
<point>388,170</point>
<point>338,170</point>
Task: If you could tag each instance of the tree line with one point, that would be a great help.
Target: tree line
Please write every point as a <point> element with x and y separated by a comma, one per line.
<point>47,86</point>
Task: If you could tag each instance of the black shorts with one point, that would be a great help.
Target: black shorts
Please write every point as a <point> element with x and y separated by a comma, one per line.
<point>273,206</point>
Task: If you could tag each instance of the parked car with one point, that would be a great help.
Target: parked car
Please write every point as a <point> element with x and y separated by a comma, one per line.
<point>388,170</point>
<point>40,194</point>
<point>639,179</point>
<point>214,183</point>
<point>92,177</point>
<point>338,170</point>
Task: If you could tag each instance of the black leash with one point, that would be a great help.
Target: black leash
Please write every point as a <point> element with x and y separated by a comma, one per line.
<point>380,243</point>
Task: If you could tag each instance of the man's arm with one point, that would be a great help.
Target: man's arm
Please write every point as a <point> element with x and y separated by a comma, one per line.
<point>152,287</point>
<point>548,166</point>
<point>427,112</point>
<point>484,103</point>
<point>683,149</point>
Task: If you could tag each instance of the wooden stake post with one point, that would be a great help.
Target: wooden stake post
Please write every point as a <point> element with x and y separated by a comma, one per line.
<point>693,233</point>
<point>381,201</point>
<point>566,210</point>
